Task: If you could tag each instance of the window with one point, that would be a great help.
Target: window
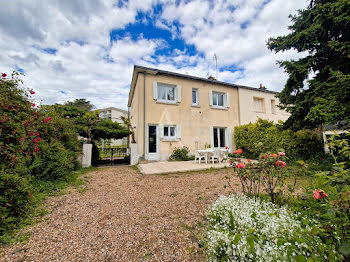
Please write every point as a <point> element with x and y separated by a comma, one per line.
<point>169,131</point>
<point>195,101</point>
<point>166,92</point>
<point>259,104</point>
<point>273,106</point>
<point>219,137</point>
<point>218,99</point>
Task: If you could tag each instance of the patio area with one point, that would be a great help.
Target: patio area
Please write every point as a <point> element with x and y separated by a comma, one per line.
<point>164,167</point>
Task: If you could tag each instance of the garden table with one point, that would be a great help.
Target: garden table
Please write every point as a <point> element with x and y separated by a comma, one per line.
<point>209,151</point>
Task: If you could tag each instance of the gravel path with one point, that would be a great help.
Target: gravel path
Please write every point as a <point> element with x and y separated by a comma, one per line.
<point>124,216</point>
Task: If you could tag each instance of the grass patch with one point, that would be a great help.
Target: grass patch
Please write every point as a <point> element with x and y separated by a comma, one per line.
<point>41,191</point>
<point>202,171</point>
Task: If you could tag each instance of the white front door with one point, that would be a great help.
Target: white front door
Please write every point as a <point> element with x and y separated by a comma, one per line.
<point>152,143</point>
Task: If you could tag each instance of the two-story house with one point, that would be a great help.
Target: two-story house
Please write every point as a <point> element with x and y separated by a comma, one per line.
<point>169,110</point>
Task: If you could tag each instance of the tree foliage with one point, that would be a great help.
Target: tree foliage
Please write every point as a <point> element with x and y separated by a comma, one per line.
<point>88,123</point>
<point>81,104</point>
<point>322,31</point>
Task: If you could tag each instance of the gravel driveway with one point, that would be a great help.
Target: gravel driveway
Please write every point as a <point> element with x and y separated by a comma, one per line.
<point>124,216</point>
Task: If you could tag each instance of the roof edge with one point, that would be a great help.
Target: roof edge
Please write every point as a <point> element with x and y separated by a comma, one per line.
<point>154,71</point>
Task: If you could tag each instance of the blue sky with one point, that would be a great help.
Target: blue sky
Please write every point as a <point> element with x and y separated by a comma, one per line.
<point>87,49</point>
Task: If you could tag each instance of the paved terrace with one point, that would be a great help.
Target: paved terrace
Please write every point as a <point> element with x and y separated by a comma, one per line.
<point>163,167</point>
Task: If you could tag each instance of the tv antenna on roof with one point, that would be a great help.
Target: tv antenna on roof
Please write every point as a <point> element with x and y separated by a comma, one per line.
<point>216,65</point>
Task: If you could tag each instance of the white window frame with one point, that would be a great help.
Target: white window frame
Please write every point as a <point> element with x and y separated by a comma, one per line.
<point>215,96</point>
<point>273,106</point>
<point>167,87</point>
<point>197,96</point>
<point>169,136</point>
<point>262,104</point>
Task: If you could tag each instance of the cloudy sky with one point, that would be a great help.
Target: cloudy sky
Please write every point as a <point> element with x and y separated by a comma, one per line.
<point>71,49</point>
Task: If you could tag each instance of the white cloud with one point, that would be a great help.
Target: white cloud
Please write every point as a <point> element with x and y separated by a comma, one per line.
<point>88,65</point>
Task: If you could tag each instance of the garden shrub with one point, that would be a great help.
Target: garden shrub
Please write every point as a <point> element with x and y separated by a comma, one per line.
<point>180,154</point>
<point>53,161</point>
<point>35,143</point>
<point>268,174</point>
<point>15,194</point>
<point>248,229</point>
<point>332,207</point>
<point>265,136</point>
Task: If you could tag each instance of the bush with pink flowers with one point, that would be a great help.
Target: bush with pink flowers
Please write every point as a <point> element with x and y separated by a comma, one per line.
<point>267,174</point>
<point>35,144</point>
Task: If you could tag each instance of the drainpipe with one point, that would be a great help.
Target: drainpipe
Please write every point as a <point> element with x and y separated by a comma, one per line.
<point>144,115</point>
<point>239,108</point>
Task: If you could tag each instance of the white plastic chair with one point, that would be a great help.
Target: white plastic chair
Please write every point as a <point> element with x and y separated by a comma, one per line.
<point>216,155</point>
<point>199,156</point>
<point>224,155</point>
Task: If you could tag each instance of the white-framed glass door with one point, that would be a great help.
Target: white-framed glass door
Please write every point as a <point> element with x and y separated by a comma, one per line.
<point>152,142</point>
<point>219,137</point>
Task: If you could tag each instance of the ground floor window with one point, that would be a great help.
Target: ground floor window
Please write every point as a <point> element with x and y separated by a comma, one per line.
<point>169,131</point>
<point>219,137</point>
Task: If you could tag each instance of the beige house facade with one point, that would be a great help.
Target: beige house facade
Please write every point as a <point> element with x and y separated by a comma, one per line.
<point>168,110</point>
<point>115,115</point>
<point>255,104</point>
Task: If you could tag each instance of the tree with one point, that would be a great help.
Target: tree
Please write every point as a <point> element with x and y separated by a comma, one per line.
<point>81,103</point>
<point>323,31</point>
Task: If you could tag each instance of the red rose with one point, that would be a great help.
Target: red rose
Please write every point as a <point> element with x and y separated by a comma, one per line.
<point>32,92</point>
<point>240,165</point>
<point>3,75</point>
<point>280,163</point>
<point>319,194</point>
<point>33,105</point>
<point>248,160</point>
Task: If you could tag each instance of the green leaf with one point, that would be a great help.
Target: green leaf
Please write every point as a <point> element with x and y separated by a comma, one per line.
<point>237,239</point>
<point>345,249</point>
<point>250,241</point>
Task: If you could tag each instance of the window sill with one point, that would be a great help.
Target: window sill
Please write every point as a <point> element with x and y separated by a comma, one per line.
<point>193,105</point>
<point>166,102</point>
<point>220,107</point>
<point>170,139</point>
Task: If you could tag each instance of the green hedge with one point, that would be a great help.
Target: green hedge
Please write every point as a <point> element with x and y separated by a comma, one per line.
<point>265,136</point>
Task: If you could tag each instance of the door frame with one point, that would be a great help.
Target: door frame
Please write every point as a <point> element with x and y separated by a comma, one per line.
<point>153,156</point>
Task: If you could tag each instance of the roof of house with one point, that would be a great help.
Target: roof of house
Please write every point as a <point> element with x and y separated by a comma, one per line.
<point>154,71</point>
<point>113,108</point>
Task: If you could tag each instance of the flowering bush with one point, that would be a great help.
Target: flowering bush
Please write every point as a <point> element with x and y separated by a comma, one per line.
<point>34,144</point>
<point>328,199</point>
<point>180,154</point>
<point>247,229</point>
<point>267,173</point>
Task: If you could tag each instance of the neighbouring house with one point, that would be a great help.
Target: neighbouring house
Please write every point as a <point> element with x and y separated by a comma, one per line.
<point>115,115</point>
<point>169,110</point>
